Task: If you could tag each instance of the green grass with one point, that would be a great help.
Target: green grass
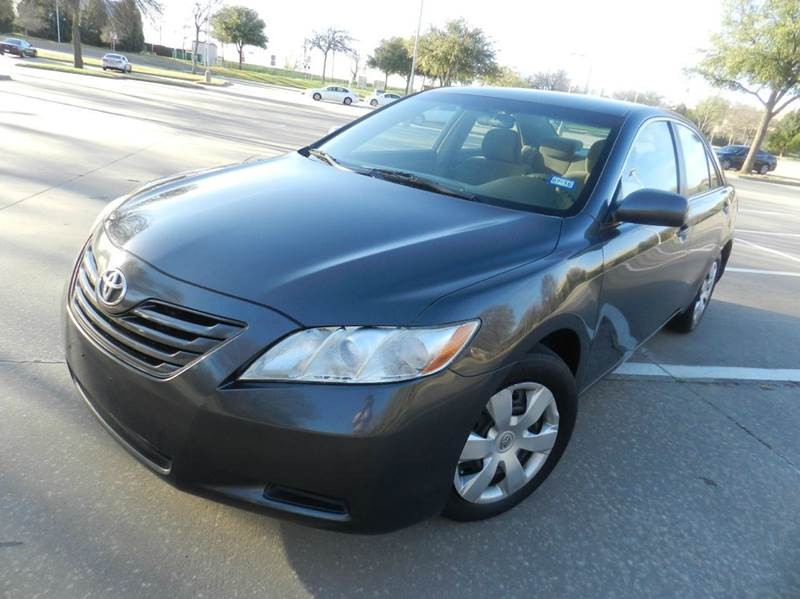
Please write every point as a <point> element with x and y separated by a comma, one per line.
<point>66,59</point>
<point>63,69</point>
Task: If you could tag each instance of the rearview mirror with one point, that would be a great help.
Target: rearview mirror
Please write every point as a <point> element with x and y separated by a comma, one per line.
<point>653,207</point>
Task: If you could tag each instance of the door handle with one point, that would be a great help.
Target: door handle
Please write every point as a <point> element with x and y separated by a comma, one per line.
<point>683,232</point>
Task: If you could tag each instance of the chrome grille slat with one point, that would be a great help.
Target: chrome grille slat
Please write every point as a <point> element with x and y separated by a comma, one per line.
<point>156,337</point>
<point>217,331</point>
<point>179,358</point>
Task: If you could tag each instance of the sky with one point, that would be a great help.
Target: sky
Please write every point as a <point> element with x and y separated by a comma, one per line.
<point>612,44</point>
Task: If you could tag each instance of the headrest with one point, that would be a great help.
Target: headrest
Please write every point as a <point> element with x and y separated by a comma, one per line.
<point>531,157</point>
<point>594,154</point>
<point>560,148</point>
<point>501,144</point>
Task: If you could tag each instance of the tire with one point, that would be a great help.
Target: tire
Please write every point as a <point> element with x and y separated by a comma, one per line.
<point>688,320</point>
<point>348,100</point>
<point>104,68</point>
<point>725,164</point>
<point>373,103</point>
<point>529,381</point>
<point>317,97</point>
<point>763,169</point>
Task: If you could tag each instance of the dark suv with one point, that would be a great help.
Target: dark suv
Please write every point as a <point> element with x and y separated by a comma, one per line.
<point>732,157</point>
<point>397,320</point>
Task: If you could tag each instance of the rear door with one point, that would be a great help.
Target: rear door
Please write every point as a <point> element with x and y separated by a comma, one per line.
<point>709,205</point>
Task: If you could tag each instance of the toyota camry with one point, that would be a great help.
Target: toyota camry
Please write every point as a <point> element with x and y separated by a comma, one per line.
<point>397,320</point>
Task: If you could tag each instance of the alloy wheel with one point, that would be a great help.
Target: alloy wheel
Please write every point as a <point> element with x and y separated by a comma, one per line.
<point>509,444</point>
<point>701,303</point>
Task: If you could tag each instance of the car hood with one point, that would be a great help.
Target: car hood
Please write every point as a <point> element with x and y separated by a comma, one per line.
<point>323,245</point>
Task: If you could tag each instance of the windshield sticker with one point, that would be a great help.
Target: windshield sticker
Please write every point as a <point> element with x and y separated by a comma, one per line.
<point>561,182</point>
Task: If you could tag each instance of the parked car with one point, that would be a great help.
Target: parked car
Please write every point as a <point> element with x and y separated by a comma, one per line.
<point>18,47</point>
<point>382,98</point>
<point>116,62</point>
<point>396,320</point>
<point>333,93</point>
<point>732,157</point>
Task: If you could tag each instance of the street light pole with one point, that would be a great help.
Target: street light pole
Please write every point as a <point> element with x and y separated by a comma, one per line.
<point>410,86</point>
<point>58,23</point>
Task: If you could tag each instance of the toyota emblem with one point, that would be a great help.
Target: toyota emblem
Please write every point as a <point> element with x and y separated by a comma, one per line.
<point>111,287</point>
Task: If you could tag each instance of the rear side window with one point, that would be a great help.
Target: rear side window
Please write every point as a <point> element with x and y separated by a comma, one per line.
<point>695,161</point>
<point>651,163</point>
<point>715,179</point>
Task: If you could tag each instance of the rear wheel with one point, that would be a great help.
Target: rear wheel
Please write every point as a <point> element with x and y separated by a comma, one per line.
<point>687,321</point>
<point>725,164</point>
<point>517,441</point>
<point>348,100</point>
<point>763,169</point>
<point>373,103</point>
<point>317,97</point>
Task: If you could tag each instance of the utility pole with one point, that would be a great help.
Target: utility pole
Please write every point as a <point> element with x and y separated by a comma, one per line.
<point>208,68</point>
<point>410,86</point>
<point>58,23</point>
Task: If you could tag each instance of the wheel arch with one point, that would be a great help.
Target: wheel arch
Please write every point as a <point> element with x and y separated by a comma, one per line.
<point>567,337</point>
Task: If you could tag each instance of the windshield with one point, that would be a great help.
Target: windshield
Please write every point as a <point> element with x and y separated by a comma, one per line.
<point>520,154</point>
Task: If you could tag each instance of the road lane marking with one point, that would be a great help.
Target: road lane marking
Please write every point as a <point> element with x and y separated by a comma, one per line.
<point>774,233</point>
<point>757,271</point>
<point>771,251</point>
<point>767,212</point>
<point>708,373</point>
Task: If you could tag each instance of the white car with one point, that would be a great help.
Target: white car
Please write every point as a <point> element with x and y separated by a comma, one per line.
<point>116,62</point>
<point>382,99</point>
<point>334,93</point>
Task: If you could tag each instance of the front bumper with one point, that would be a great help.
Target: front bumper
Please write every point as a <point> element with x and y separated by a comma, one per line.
<point>365,458</point>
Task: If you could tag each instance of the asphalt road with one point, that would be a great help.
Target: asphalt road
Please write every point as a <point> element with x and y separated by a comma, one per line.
<point>671,487</point>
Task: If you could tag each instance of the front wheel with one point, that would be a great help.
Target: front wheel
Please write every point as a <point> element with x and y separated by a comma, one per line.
<point>317,97</point>
<point>373,103</point>
<point>687,321</point>
<point>763,169</point>
<point>517,440</point>
<point>725,164</point>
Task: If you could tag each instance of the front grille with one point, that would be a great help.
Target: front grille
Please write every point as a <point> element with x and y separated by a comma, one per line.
<point>154,336</point>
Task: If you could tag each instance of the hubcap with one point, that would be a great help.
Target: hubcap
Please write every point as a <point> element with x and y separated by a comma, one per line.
<point>509,445</point>
<point>704,296</point>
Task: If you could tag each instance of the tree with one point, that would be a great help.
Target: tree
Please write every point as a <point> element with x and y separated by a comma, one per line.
<point>76,9</point>
<point>650,98</point>
<point>94,20</point>
<point>456,53</point>
<point>391,57</point>
<point>709,114</point>
<point>6,15</point>
<point>507,77</point>
<point>786,135</point>
<point>550,80</point>
<point>126,21</point>
<point>31,16</point>
<point>741,123</point>
<point>201,12</point>
<point>240,26</point>
<point>355,65</point>
<point>331,40</point>
<point>757,52</point>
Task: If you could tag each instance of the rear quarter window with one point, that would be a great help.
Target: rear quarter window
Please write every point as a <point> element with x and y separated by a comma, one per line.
<point>695,161</point>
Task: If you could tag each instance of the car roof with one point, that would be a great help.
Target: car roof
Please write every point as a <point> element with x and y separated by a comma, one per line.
<point>12,39</point>
<point>577,101</point>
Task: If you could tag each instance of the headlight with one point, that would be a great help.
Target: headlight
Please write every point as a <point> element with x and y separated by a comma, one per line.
<point>361,354</point>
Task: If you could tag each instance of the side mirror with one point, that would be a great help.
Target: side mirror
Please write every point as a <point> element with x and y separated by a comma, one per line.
<point>653,207</point>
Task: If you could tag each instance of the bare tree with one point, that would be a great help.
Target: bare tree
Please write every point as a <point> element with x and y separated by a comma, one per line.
<point>355,64</point>
<point>201,12</point>
<point>330,40</point>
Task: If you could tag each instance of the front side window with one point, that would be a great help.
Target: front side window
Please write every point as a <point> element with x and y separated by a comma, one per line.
<point>695,161</point>
<point>489,149</point>
<point>651,162</point>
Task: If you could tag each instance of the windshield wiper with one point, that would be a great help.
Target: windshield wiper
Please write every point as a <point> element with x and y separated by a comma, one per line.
<point>413,180</point>
<point>325,157</point>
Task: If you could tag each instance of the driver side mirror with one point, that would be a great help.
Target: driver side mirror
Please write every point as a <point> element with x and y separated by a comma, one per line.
<point>653,207</point>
